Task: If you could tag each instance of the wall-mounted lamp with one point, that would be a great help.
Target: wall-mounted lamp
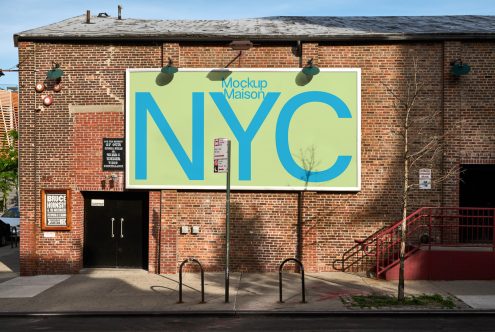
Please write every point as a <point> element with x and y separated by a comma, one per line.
<point>110,180</point>
<point>311,69</point>
<point>307,73</point>
<point>55,73</point>
<point>169,68</point>
<point>57,87</point>
<point>458,68</point>
<point>47,100</point>
<point>40,87</point>
<point>166,74</point>
<point>241,45</point>
<point>53,77</point>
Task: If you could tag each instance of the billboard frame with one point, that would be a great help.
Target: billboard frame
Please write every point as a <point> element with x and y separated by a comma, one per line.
<point>242,188</point>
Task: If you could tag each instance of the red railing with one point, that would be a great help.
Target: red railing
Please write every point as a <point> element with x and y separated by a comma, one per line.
<point>427,229</point>
<point>360,257</point>
<point>435,227</point>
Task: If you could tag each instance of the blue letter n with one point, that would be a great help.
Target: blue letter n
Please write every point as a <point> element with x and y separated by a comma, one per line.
<point>194,167</point>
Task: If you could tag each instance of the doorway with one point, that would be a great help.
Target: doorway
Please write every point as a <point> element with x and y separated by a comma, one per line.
<point>477,189</point>
<point>115,229</point>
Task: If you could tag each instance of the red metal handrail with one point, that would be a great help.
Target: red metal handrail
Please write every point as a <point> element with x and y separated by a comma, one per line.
<point>426,227</point>
<point>360,257</point>
<point>434,226</point>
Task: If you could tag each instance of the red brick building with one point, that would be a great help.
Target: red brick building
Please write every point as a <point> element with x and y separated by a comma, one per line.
<point>9,108</point>
<point>61,144</point>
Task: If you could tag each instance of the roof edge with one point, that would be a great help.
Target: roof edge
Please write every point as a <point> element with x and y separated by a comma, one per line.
<point>266,38</point>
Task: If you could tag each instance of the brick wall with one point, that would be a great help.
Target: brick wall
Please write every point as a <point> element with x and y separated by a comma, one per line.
<point>61,148</point>
<point>469,108</point>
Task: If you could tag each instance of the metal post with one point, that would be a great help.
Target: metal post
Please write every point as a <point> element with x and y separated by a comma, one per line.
<point>227,227</point>
<point>180,280</point>
<point>302,284</point>
<point>377,262</point>
<point>202,283</point>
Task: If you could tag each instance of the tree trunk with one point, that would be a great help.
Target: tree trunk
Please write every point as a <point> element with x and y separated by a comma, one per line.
<point>402,253</point>
<point>299,230</point>
<point>403,226</point>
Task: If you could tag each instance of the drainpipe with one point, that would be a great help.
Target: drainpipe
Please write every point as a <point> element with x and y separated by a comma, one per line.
<point>300,194</point>
<point>159,259</point>
<point>300,53</point>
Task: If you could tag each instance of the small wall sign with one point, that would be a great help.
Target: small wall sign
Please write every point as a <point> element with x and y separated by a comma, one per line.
<point>97,202</point>
<point>220,155</point>
<point>113,154</point>
<point>55,210</point>
<point>425,178</point>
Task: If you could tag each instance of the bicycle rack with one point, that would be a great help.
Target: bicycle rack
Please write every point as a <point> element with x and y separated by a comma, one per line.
<point>192,260</point>
<point>280,278</point>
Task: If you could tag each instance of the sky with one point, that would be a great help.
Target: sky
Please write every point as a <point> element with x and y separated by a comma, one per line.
<point>21,15</point>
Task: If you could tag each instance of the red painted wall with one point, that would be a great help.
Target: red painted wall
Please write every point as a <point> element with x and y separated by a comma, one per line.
<point>447,265</point>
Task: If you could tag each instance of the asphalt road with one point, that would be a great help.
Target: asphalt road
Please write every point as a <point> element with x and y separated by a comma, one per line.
<point>390,322</point>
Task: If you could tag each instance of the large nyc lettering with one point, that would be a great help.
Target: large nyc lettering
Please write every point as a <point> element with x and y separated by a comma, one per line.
<point>194,167</point>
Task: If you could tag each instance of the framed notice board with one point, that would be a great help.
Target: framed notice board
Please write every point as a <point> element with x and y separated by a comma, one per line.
<point>113,154</point>
<point>55,210</point>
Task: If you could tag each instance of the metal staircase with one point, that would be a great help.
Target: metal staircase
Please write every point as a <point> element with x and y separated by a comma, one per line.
<point>427,228</point>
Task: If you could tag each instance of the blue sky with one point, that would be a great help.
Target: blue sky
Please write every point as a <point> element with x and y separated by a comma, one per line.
<point>20,15</point>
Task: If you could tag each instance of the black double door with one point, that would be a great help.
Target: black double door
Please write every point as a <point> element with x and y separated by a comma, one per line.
<point>115,230</point>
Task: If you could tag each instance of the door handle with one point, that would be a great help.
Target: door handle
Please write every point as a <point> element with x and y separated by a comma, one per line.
<point>121,228</point>
<point>113,219</point>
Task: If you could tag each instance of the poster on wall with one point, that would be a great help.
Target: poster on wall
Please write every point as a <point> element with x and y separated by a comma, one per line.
<point>113,154</point>
<point>55,210</point>
<point>288,130</point>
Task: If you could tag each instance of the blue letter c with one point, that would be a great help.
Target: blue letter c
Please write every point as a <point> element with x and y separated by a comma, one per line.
<point>282,136</point>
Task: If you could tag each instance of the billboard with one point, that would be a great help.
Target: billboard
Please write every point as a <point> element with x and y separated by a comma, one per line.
<point>289,131</point>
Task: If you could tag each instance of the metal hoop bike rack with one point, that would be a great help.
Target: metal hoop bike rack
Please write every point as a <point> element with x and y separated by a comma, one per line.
<point>192,260</point>
<point>280,279</point>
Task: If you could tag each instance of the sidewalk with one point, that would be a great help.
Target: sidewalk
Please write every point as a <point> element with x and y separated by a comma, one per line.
<point>119,290</point>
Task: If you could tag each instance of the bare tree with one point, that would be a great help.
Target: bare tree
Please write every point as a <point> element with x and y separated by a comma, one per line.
<point>418,146</point>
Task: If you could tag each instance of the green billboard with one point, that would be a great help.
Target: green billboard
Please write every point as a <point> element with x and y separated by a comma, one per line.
<point>289,131</point>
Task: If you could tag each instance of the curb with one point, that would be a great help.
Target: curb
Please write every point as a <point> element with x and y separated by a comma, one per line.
<point>241,313</point>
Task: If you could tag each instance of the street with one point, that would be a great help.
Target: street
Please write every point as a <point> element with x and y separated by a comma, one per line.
<point>358,322</point>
